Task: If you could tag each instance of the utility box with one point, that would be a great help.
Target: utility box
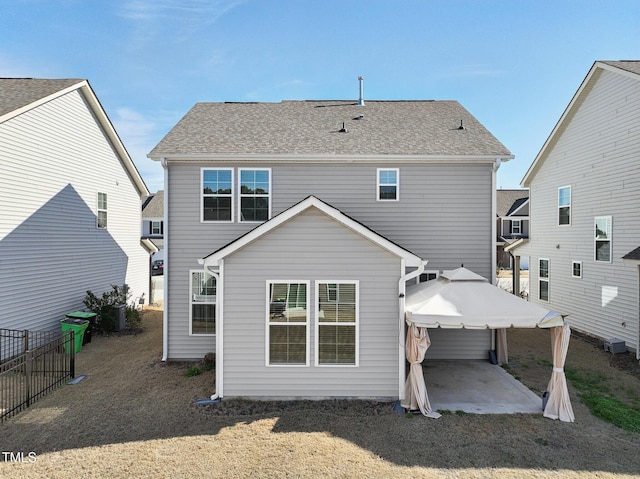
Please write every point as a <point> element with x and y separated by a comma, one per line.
<point>120,312</point>
<point>615,346</point>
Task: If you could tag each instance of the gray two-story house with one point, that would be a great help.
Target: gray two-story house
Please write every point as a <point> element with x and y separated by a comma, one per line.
<point>292,229</point>
<point>512,216</point>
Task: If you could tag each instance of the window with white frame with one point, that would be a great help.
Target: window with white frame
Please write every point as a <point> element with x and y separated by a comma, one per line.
<point>255,194</point>
<point>602,226</point>
<point>516,227</point>
<point>102,210</point>
<point>428,275</point>
<point>217,194</point>
<point>388,184</point>
<point>288,318</point>
<point>576,269</point>
<point>203,302</point>
<point>564,205</point>
<point>337,323</point>
<point>156,227</point>
<point>543,279</point>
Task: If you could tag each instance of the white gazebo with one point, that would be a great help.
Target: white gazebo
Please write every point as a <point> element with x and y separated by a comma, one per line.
<point>462,299</point>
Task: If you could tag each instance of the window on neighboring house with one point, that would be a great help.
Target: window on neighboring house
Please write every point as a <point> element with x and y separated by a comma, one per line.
<point>388,184</point>
<point>516,227</point>
<point>337,323</point>
<point>428,276</point>
<point>576,269</point>
<point>603,239</point>
<point>203,302</point>
<point>255,199</point>
<point>564,205</point>
<point>288,322</point>
<point>102,210</point>
<point>217,194</point>
<point>156,227</point>
<point>543,280</point>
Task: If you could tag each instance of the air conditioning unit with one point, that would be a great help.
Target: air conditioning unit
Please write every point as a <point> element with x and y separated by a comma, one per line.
<point>120,312</point>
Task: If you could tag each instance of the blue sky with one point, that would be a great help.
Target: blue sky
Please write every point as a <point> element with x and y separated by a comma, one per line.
<point>514,64</point>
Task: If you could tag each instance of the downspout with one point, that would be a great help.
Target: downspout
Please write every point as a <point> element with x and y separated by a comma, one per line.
<point>494,234</point>
<point>165,237</point>
<point>402,285</point>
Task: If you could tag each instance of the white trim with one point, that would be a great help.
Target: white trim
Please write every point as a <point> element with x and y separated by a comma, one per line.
<point>191,302</point>
<point>261,158</point>
<point>396,184</point>
<point>165,309</point>
<point>268,322</point>
<point>219,331</point>
<point>356,323</point>
<point>573,263</point>
<point>545,279</point>
<point>564,206</point>
<point>524,203</point>
<point>311,202</point>
<point>609,239</point>
<point>240,195</point>
<point>105,210</point>
<point>202,195</point>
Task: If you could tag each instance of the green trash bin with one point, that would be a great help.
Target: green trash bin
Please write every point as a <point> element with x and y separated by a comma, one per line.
<point>89,316</point>
<point>78,326</point>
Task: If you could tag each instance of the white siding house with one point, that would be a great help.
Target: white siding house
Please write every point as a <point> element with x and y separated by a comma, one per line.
<point>585,207</point>
<point>291,227</point>
<point>69,203</point>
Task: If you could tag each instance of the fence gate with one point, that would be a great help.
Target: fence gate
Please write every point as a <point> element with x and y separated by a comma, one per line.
<point>32,363</point>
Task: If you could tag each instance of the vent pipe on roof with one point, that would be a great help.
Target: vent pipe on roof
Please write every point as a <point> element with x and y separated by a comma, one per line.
<point>361,99</point>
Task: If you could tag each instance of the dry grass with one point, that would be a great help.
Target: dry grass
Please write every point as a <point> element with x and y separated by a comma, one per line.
<point>134,416</point>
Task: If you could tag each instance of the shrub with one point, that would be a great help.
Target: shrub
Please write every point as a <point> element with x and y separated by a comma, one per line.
<point>104,307</point>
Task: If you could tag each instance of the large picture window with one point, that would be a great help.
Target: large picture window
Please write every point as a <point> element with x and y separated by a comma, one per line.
<point>603,239</point>
<point>388,184</point>
<point>337,323</point>
<point>564,205</point>
<point>203,302</point>
<point>288,316</point>
<point>255,199</point>
<point>543,280</point>
<point>217,194</point>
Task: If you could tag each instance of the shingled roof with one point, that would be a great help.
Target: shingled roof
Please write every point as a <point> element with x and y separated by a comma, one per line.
<point>16,93</point>
<point>507,201</point>
<point>424,128</point>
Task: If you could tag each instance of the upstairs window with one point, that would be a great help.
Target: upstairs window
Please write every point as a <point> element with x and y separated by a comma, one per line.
<point>217,195</point>
<point>603,239</point>
<point>255,195</point>
<point>203,303</point>
<point>516,227</point>
<point>543,280</point>
<point>337,314</point>
<point>564,205</point>
<point>102,210</point>
<point>388,184</point>
<point>156,227</point>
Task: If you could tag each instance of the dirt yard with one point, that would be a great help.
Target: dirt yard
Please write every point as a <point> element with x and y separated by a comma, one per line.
<point>134,416</point>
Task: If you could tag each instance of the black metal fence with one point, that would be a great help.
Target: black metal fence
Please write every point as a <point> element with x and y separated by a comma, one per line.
<point>32,363</point>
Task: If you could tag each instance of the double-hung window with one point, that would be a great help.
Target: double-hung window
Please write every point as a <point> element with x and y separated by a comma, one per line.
<point>102,210</point>
<point>255,194</point>
<point>156,227</point>
<point>388,184</point>
<point>602,239</point>
<point>543,279</point>
<point>337,323</point>
<point>203,302</point>
<point>287,322</point>
<point>516,227</point>
<point>576,269</point>
<point>564,205</point>
<point>217,194</point>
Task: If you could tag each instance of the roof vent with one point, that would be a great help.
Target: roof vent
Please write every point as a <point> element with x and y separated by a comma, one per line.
<point>361,99</point>
<point>343,129</point>
<point>461,127</point>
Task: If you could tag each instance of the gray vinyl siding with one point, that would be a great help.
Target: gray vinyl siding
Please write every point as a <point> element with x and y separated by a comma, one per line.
<point>443,216</point>
<point>597,154</point>
<point>54,160</point>
<point>458,344</point>
<point>316,248</point>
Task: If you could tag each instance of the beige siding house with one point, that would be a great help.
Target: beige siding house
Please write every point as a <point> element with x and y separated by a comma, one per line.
<point>292,228</point>
<point>585,207</point>
<point>69,203</point>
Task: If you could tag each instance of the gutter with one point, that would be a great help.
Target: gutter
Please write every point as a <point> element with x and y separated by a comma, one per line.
<point>165,309</point>
<point>402,286</point>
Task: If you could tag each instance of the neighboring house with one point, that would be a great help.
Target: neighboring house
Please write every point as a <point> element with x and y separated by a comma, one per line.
<point>153,221</point>
<point>293,227</point>
<point>585,207</point>
<point>512,212</point>
<point>69,203</point>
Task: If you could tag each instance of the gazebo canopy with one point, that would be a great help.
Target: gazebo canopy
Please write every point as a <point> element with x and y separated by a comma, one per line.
<point>463,299</point>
